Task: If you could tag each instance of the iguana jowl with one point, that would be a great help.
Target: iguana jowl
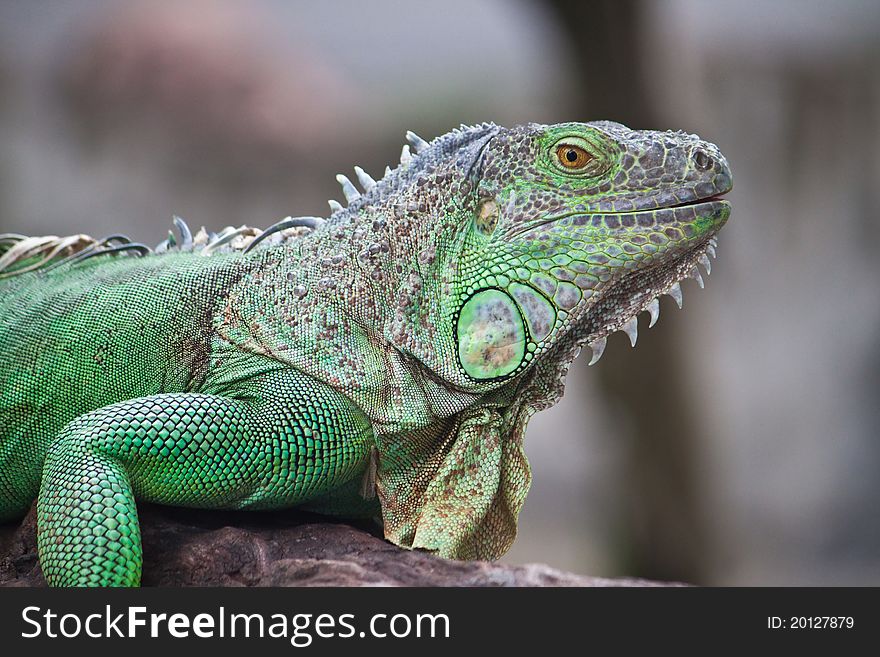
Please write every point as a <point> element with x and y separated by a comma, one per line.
<point>382,362</point>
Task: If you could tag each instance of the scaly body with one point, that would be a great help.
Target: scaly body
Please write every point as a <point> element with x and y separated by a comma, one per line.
<point>383,362</point>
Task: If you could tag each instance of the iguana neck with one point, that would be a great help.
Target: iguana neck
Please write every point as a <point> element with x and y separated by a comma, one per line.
<point>365,284</point>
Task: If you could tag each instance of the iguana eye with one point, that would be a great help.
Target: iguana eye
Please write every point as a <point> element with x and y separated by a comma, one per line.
<point>573,157</point>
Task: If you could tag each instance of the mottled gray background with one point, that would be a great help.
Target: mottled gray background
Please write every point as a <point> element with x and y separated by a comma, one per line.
<point>739,443</point>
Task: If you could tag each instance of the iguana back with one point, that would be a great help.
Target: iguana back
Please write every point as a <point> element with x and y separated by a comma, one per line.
<point>84,335</point>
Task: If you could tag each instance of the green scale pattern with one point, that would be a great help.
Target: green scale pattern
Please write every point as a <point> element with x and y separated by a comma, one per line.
<point>185,450</point>
<point>270,438</point>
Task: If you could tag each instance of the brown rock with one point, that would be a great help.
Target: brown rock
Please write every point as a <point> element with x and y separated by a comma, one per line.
<point>186,547</point>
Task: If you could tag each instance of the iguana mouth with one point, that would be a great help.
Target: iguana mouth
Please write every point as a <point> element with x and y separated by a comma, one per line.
<point>715,198</point>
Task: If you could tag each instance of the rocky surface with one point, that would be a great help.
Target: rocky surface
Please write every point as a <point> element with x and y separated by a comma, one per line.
<point>184,547</point>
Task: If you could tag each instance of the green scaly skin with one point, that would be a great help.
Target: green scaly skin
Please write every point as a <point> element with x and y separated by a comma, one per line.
<point>383,364</point>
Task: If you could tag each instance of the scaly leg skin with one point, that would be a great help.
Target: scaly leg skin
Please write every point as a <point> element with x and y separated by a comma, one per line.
<point>192,450</point>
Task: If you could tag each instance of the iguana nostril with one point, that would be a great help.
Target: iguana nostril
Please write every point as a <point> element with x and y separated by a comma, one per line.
<point>703,160</point>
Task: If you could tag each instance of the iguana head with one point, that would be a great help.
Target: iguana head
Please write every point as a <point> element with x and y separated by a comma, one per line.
<point>576,228</point>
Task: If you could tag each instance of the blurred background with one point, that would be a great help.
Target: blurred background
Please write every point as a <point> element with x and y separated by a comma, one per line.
<point>738,444</point>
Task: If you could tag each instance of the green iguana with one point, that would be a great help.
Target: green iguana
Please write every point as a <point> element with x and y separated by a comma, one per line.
<point>382,362</point>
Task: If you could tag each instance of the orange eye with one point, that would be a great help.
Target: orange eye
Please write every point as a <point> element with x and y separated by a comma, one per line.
<point>572,157</point>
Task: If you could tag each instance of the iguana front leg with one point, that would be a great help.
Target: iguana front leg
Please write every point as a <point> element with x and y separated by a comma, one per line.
<point>286,441</point>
